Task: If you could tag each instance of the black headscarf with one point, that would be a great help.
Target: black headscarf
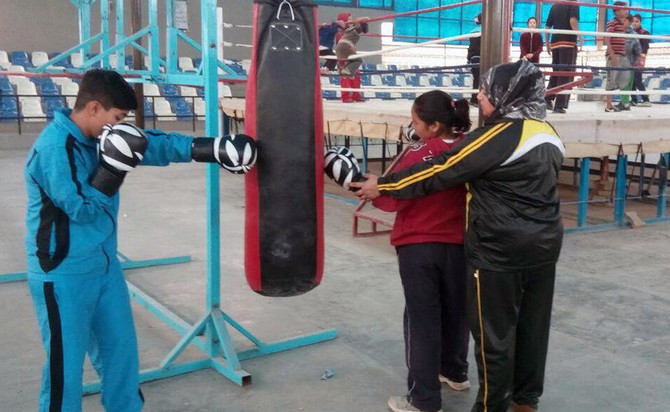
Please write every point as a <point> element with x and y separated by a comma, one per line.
<point>516,90</point>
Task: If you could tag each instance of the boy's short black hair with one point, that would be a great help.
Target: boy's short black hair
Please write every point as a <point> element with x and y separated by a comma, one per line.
<point>108,88</point>
<point>638,16</point>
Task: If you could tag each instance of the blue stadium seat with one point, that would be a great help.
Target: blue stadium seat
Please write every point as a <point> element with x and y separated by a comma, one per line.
<point>49,88</point>
<point>5,86</point>
<point>64,62</point>
<point>168,90</point>
<point>388,79</point>
<point>383,95</point>
<point>8,110</point>
<point>665,83</point>
<point>435,81</point>
<point>369,67</point>
<point>180,107</point>
<point>52,103</point>
<point>409,96</point>
<point>412,80</point>
<point>196,62</point>
<point>20,58</point>
<point>329,94</point>
<point>148,109</point>
<point>200,91</point>
<point>458,81</point>
<point>365,80</point>
<point>393,67</point>
<point>336,80</point>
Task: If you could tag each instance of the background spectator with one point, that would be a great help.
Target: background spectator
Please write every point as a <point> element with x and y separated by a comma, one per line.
<point>531,43</point>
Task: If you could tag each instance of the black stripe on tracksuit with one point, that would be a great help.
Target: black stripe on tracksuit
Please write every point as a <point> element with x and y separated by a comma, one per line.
<point>56,349</point>
<point>52,217</point>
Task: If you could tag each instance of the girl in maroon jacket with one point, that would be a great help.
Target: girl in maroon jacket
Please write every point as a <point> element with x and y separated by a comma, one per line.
<point>428,236</point>
<point>531,43</point>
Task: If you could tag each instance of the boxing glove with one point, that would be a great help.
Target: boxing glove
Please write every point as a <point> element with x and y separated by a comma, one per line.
<point>122,148</point>
<point>235,153</point>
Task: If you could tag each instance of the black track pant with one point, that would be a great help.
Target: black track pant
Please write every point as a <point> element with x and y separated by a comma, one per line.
<point>435,320</point>
<point>510,314</point>
<point>638,85</point>
<point>567,56</point>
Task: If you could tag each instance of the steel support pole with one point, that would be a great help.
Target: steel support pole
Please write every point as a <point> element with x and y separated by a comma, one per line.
<point>662,185</point>
<point>620,190</point>
<point>582,207</point>
<point>84,27</point>
<point>172,40</point>
<point>495,35</point>
<point>136,24</point>
<point>104,29</point>
<point>209,64</point>
<point>120,35</point>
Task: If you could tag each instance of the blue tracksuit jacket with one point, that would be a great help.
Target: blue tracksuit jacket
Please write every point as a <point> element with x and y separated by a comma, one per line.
<point>71,226</point>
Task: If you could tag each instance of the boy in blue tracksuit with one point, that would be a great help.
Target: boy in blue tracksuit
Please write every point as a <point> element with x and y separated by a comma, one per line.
<point>75,279</point>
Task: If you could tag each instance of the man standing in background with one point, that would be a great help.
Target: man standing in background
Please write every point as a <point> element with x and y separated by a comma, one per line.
<point>563,50</point>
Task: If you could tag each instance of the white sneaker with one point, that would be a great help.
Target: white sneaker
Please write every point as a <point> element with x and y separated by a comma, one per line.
<point>457,386</point>
<point>644,104</point>
<point>400,404</point>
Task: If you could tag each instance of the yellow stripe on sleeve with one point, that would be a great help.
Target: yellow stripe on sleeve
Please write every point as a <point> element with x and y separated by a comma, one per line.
<point>467,150</point>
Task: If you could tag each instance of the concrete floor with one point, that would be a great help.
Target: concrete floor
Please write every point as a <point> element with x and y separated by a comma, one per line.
<point>610,339</point>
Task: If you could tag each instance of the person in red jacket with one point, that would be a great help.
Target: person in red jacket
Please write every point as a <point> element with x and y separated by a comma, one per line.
<point>352,28</point>
<point>428,236</point>
<point>531,43</point>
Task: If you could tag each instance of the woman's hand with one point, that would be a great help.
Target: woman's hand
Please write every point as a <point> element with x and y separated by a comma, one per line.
<point>368,189</point>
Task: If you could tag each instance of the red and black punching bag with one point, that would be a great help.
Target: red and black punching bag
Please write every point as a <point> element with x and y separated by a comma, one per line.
<point>284,192</point>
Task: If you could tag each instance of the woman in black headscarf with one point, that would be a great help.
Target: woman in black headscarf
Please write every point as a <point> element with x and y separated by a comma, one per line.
<point>514,230</point>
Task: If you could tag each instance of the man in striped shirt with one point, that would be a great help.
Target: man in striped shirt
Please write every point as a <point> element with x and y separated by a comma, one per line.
<point>616,52</point>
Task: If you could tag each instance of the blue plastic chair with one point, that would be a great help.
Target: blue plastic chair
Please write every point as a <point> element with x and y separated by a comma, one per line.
<point>52,103</point>
<point>20,58</point>
<point>6,88</point>
<point>329,94</point>
<point>180,107</point>
<point>9,111</point>
<point>169,90</point>
<point>148,109</point>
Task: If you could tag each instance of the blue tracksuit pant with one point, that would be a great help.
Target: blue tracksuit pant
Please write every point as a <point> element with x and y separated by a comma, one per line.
<point>91,314</point>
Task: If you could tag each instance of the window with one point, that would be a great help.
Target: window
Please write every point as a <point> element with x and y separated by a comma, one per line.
<point>443,23</point>
<point>656,23</point>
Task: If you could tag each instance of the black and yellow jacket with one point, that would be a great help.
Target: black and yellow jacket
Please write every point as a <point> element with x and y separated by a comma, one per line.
<point>511,172</point>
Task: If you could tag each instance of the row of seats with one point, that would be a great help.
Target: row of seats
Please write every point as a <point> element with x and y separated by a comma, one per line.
<point>38,58</point>
<point>40,96</point>
<point>37,109</point>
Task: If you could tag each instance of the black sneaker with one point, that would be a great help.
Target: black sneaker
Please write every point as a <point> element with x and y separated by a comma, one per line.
<point>459,383</point>
<point>622,107</point>
<point>559,110</point>
<point>633,102</point>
